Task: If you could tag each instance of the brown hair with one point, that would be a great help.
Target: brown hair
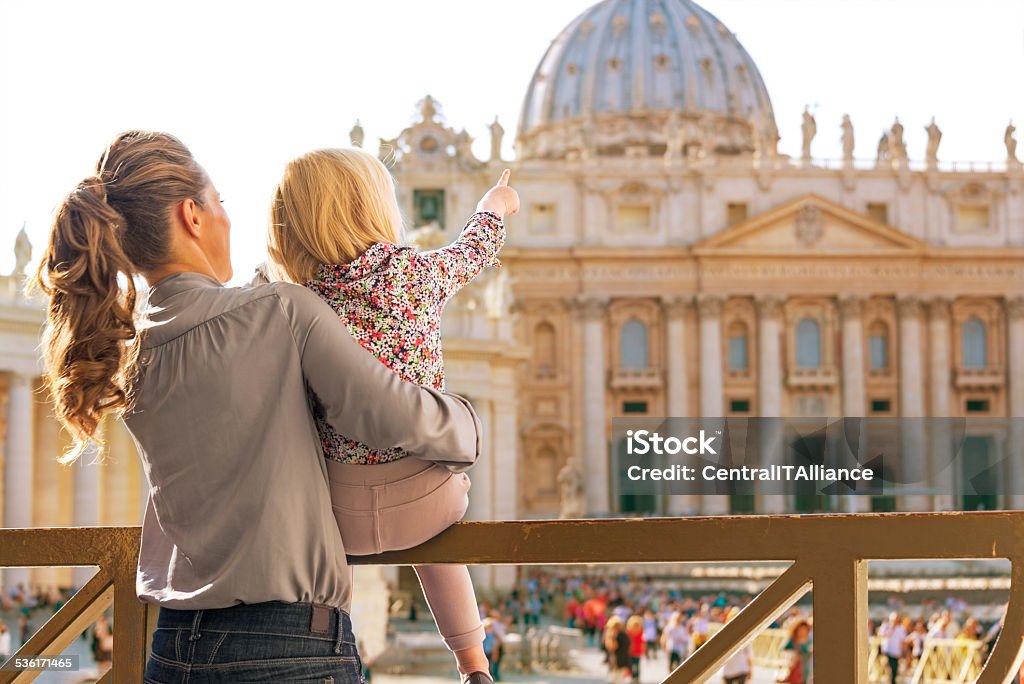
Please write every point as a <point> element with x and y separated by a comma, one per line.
<point>115,224</point>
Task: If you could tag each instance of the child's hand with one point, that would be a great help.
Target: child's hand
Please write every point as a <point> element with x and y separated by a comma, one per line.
<point>501,199</point>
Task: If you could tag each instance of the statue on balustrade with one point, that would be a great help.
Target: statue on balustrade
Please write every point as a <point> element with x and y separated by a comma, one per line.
<point>22,252</point>
<point>497,133</point>
<point>847,138</point>
<point>897,146</point>
<point>356,135</point>
<point>1011,144</point>
<point>884,156</point>
<point>570,484</point>
<point>809,128</point>
<point>934,137</point>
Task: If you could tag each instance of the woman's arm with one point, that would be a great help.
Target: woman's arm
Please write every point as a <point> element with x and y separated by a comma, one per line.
<point>365,401</point>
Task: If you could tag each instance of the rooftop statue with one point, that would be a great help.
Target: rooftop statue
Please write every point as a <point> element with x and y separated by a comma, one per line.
<point>809,130</point>
<point>847,138</point>
<point>897,147</point>
<point>497,133</point>
<point>934,137</point>
<point>356,135</point>
<point>1011,144</point>
<point>22,251</point>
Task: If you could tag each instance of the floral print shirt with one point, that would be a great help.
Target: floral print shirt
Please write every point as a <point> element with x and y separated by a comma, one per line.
<point>391,298</point>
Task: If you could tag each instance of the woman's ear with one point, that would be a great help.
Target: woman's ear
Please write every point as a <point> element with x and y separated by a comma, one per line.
<point>188,215</point>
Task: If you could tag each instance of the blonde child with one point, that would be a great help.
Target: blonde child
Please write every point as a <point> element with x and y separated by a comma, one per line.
<point>336,228</point>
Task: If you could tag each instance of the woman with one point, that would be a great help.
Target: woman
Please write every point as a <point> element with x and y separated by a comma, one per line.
<point>238,539</point>
<point>616,646</point>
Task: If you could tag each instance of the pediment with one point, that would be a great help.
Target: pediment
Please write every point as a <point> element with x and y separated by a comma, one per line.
<point>810,225</point>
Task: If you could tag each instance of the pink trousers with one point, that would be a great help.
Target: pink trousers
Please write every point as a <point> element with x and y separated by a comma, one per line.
<point>401,504</point>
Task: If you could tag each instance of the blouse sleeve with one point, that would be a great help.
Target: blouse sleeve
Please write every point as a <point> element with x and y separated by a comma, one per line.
<point>440,273</point>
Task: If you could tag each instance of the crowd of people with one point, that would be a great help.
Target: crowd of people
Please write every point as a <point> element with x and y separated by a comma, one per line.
<point>634,619</point>
<point>27,607</point>
<point>903,636</point>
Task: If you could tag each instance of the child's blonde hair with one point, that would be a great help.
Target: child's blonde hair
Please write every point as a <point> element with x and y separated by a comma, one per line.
<point>329,207</point>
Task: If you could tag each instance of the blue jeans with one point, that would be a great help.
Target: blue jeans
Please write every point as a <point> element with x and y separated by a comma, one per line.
<point>260,642</point>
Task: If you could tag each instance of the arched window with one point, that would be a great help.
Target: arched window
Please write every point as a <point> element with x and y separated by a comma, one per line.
<point>544,352</point>
<point>738,348</point>
<point>633,345</point>
<point>808,343</point>
<point>878,345</point>
<point>973,344</point>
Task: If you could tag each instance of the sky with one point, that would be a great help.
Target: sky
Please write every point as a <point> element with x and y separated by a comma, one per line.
<point>248,86</point>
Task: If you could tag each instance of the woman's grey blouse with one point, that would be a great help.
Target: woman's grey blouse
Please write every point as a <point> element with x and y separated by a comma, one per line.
<point>239,509</point>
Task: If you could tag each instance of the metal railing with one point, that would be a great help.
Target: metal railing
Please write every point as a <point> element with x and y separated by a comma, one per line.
<point>828,553</point>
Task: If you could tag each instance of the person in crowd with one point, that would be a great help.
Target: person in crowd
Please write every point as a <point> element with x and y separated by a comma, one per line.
<point>617,645</point>
<point>800,666</point>
<point>102,644</point>
<point>650,634</point>
<point>894,634</point>
<point>738,668</point>
<point>492,648</point>
<point>675,639</point>
<point>5,642</point>
<point>635,632</point>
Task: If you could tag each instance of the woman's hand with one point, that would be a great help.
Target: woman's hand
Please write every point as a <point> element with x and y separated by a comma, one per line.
<point>501,199</point>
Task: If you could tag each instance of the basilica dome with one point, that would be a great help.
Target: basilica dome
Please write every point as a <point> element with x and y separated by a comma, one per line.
<point>626,74</point>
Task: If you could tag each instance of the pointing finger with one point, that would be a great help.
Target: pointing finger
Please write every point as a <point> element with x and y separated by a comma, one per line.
<point>504,177</point>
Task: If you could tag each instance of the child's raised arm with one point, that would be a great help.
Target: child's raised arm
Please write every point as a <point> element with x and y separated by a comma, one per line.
<point>442,272</point>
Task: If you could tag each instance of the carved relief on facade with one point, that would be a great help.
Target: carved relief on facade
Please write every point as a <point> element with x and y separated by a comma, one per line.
<point>546,450</point>
<point>974,208</point>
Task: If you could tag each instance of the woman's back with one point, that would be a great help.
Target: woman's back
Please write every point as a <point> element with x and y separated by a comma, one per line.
<point>239,508</point>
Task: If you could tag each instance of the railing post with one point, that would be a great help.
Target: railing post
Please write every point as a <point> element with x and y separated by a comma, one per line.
<point>840,591</point>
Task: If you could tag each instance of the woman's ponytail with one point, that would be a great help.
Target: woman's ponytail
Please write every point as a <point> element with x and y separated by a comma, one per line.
<point>112,226</point>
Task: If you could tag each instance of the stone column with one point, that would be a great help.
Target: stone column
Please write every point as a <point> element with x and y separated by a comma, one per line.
<point>4,386</point>
<point>593,314</point>
<point>940,378</point>
<point>769,393</point>
<point>711,380</point>
<point>506,462</point>
<point>677,310</point>
<point>1015,368</point>
<point>851,309</point>
<point>913,448</point>
<point>18,471</point>
<point>86,502</point>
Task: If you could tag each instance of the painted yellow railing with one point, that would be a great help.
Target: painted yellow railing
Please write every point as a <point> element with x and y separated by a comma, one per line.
<point>826,552</point>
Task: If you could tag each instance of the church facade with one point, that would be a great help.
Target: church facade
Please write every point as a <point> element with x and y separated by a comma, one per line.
<point>667,261</point>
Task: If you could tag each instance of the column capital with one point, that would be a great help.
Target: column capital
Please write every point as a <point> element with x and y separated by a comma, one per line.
<point>770,305</point>
<point>939,307</point>
<point>590,307</point>
<point>851,305</point>
<point>676,306</point>
<point>909,306</point>
<point>710,305</point>
<point>1015,307</point>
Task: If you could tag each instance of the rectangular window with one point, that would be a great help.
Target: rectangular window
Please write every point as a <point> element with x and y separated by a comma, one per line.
<point>738,353</point>
<point>977,406</point>
<point>542,218</point>
<point>739,405</point>
<point>633,217</point>
<point>634,407</point>
<point>428,207</point>
<point>973,218</point>
<point>881,406</point>
<point>879,211</point>
<point>736,212</point>
<point>878,349</point>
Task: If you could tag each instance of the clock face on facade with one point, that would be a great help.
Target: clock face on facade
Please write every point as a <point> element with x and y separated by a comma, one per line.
<point>428,144</point>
